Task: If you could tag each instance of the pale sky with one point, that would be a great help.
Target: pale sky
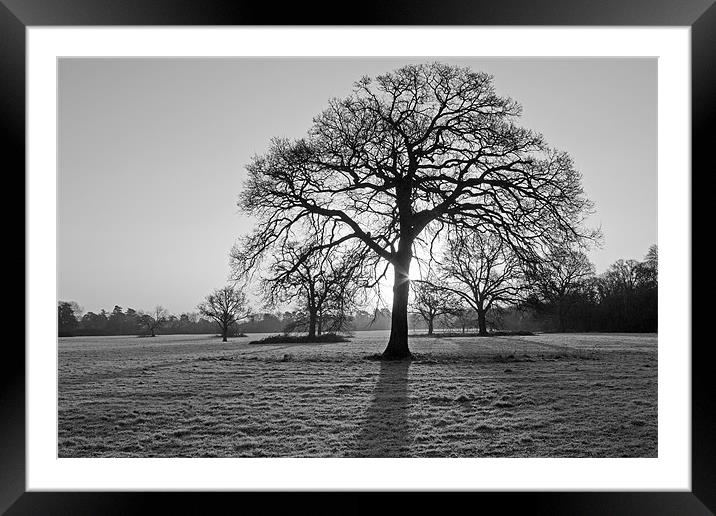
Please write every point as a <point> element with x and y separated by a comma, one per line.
<point>152,155</point>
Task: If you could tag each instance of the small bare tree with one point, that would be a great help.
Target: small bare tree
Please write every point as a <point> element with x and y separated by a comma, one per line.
<point>326,283</point>
<point>431,301</point>
<point>465,317</point>
<point>482,270</point>
<point>154,320</point>
<point>225,306</point>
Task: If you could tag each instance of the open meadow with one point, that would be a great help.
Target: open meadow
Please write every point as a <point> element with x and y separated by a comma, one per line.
<point>548,395</point>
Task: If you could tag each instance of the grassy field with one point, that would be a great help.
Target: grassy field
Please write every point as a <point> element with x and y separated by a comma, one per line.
<point>567,395</point>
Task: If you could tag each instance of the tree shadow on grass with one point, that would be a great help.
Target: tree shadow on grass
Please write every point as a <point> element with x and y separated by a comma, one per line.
<point>385,431</point>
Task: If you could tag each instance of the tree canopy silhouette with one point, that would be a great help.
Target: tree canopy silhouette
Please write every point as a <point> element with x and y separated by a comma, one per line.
<point>406,155</point>
<point>559,279</point>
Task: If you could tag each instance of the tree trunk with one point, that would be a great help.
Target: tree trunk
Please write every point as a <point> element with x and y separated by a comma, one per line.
<point>153,335</point>
<point>430,326</point>
<point>398,343</point>
<point>224,332</point>
<point>312,320</point>
<point>481,324</point>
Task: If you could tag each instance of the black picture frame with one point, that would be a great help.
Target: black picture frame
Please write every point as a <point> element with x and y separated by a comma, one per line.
<point>17,15</point>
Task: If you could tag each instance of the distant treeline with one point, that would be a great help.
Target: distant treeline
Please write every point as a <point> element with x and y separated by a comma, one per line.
<point>623,299</point>
<point>73,322</point>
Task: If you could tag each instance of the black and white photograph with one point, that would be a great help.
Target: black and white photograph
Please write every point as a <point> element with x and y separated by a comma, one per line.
<point>357,257</point>
<point>432,248</point>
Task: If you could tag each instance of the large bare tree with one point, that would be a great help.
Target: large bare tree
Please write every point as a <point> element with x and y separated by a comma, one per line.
<point>482,270</point>
<point>225,306</point>
<point>405,155</point>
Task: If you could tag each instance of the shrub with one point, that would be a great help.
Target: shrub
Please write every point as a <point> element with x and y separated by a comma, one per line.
<point>301,339</point>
